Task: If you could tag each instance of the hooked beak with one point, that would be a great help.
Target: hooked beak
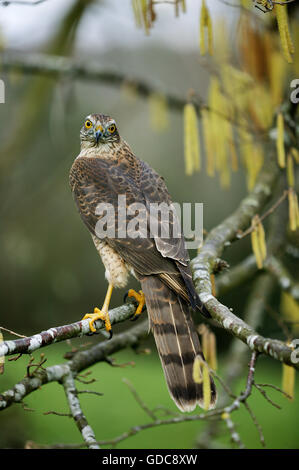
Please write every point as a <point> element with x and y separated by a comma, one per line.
<point>98,133</point>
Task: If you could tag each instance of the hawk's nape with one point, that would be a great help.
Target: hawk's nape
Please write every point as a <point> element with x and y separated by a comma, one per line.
<point>177,343</point>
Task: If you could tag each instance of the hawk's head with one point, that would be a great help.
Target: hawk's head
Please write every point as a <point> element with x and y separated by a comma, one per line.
<point>99,129</point>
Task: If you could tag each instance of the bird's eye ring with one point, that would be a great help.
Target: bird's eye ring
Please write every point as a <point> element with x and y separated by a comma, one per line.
<point>112,128</point>
<point>88,124</point>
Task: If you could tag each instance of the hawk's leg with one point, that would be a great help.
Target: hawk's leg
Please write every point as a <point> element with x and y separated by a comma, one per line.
<point>139,296</point>
<point>101,314</point>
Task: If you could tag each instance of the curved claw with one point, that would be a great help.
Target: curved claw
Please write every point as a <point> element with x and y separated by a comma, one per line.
<point>139,296</point>
<point>134,317</point>
<point>98,315</point>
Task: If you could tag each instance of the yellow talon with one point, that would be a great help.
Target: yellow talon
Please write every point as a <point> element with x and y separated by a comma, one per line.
<point>139,296</point>
<point>101,314</point>
<point>98,315</point>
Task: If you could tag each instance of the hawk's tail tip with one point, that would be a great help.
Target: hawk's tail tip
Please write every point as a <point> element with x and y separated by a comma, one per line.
<point>187,404</point>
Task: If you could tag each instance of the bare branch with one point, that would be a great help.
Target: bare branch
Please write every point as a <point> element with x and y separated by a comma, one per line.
<point>58,66</point>
<point>139,400</point>
<point>62,333</point>
<point>82,360</point>
<point>236,276</point>
<point>6,3</point>
<point>284,278</point>
<point>76,412</point>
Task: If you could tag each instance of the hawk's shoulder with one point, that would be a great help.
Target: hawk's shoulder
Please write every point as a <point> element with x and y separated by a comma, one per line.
<point>153,185</point>
<point>87,170</point>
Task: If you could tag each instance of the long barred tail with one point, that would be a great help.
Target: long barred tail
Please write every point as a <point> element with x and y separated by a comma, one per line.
<point>177,343</point>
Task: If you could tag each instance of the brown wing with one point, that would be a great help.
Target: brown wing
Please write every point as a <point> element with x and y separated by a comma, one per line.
<point>95,180</point>
<point>155,190</point>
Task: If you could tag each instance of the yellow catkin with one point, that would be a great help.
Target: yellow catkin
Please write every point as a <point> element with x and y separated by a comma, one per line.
<point>288,380</point>
<point>255,249</point>
<point>204,333</point>
<point>191,140</point>
<point>252,157</point>
<point>260,106</point>
<point>290,41</point>
<point>222,42</point>
<point>205,26</point>
<point>207,130</point>
<point>201,375</point>
<point>208,341</point>
<point>254,164</point>
<point>2,358</point>
<point>296,41</point>
<point>295,154</point>
<point>136,6</point>
<point>210,35</point>
<point>284,32</point>
<point>280,141</point>
<point>202,43</point>
<point>235,81</point>
<point>290,171</point>
<point>183,5</point>
<point>197,370</point>
<point>158,112</point>
<point>145,15</point>
<point>289,308</point>
<point>262,241</point>
<point>258,242</point>
<point>293,210</point>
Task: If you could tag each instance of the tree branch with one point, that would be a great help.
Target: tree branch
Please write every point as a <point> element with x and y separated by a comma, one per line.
<point>237,356</point>
<point>29,344</point>
<point>76,412</point>
<point>236,276</point>
<point>220,237</point>
<point>283,277</point>
<point>59,66</point>
<point>81,360</point>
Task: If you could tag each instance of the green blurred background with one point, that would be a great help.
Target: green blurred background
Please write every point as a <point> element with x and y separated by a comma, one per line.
<point>50,273</point>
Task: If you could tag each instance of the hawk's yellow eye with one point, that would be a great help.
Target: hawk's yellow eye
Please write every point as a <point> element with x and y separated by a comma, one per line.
<point>112,128</point>
<point>88,124</point>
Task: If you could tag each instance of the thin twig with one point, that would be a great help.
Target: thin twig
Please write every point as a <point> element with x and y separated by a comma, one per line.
<point>266,214</point>
<point>77,413</point>
<point>139,400</point>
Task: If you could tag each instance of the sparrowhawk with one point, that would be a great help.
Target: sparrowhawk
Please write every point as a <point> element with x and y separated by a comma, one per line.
<point>106,168</point>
